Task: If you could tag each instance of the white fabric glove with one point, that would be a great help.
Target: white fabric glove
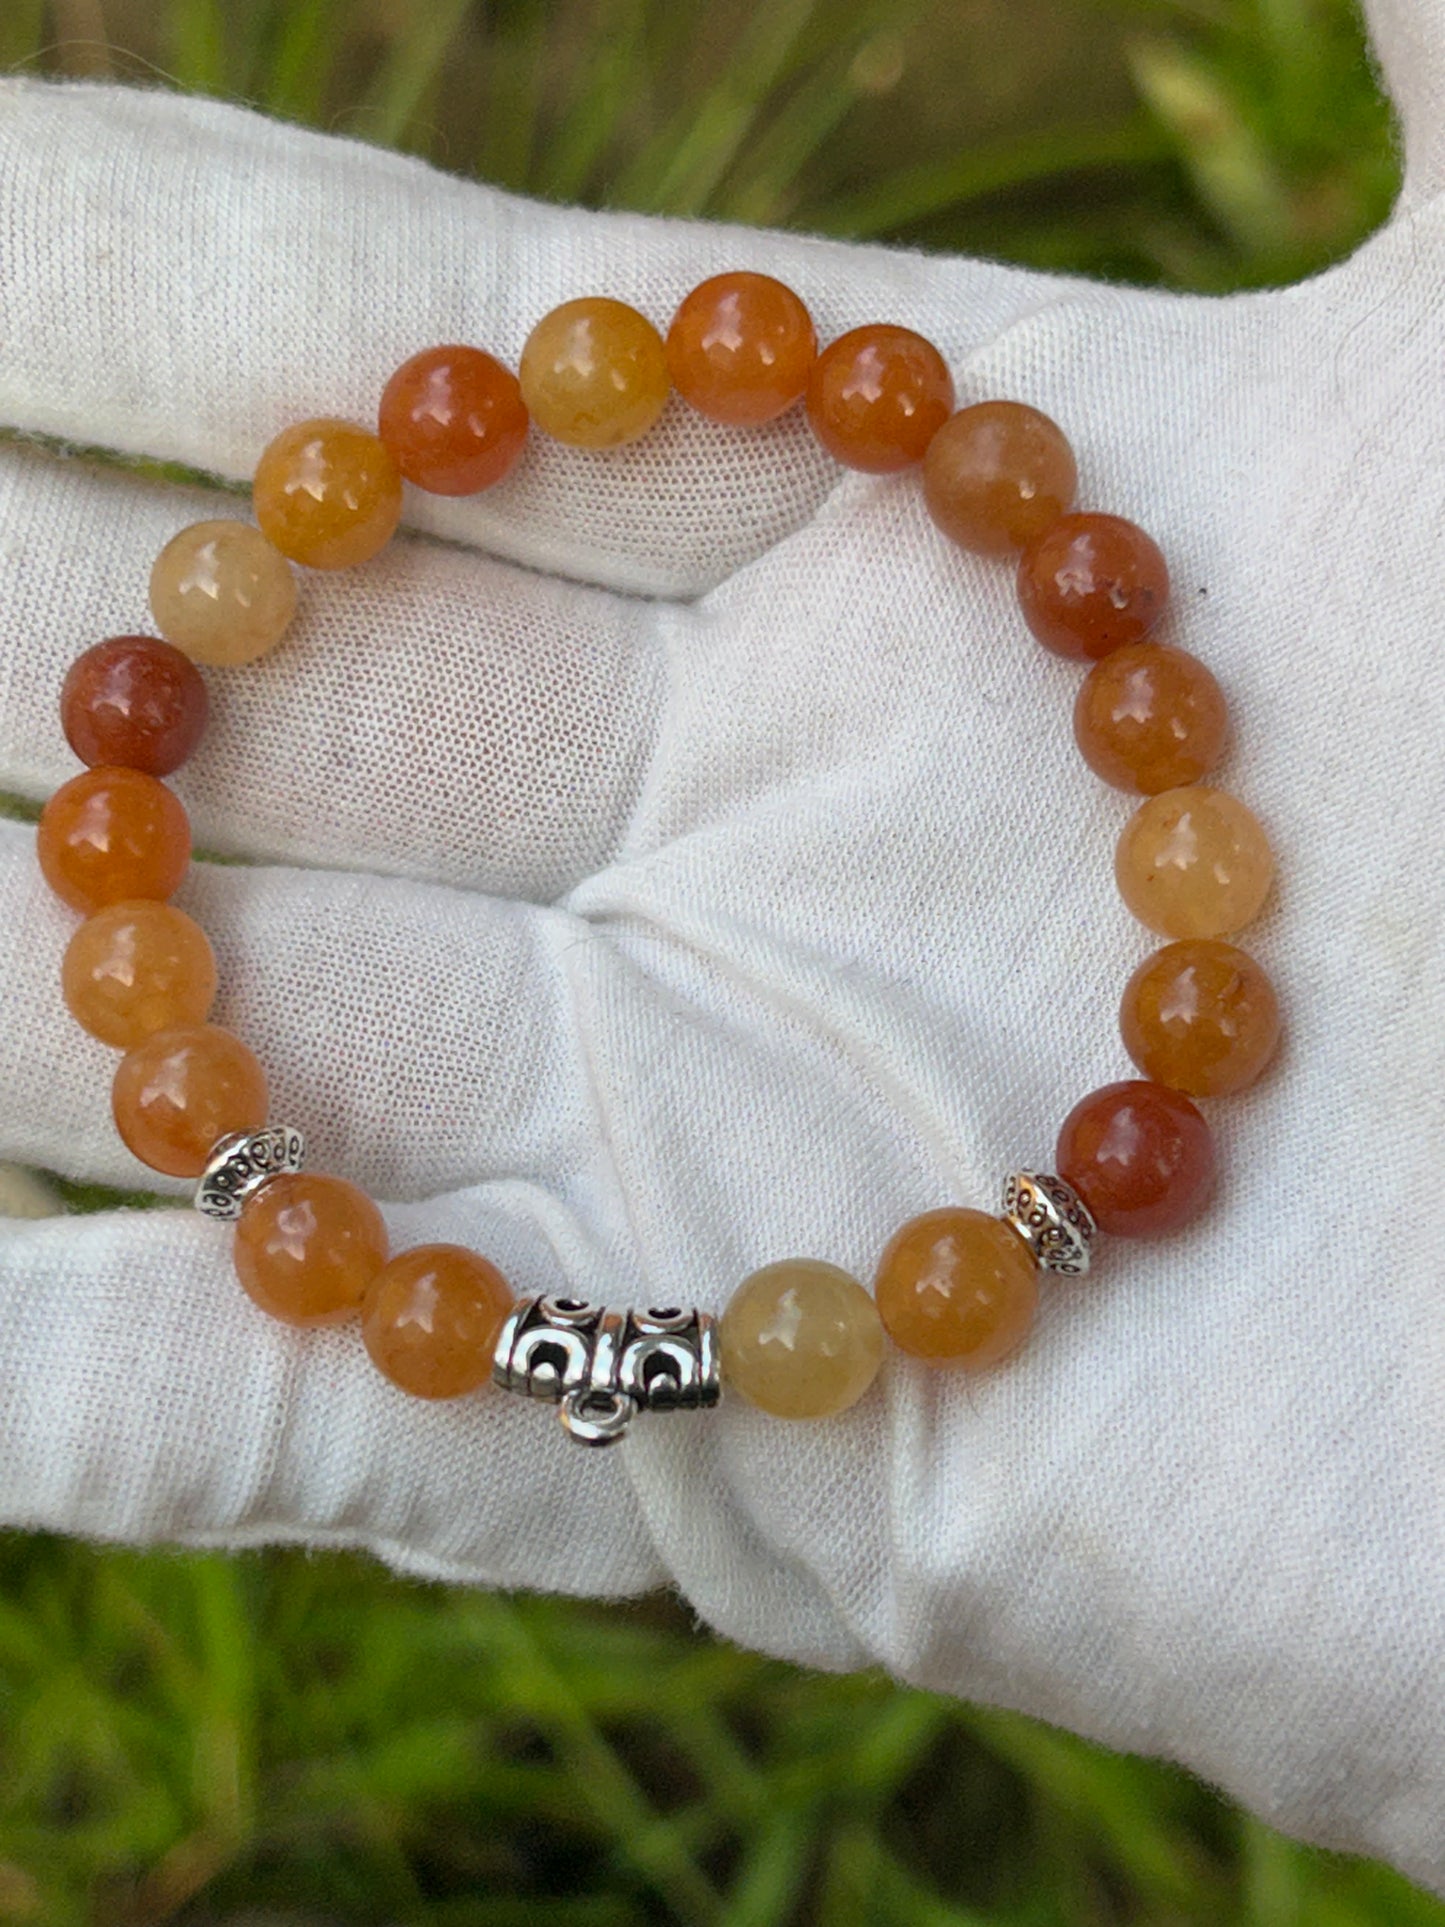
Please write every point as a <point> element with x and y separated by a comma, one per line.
<point>687,864</point>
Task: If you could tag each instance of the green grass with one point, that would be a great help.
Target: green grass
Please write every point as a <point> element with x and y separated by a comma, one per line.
<point>294,1740</point>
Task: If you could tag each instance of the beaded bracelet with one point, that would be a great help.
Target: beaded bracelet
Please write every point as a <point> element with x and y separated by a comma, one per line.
<point>800,1338</point>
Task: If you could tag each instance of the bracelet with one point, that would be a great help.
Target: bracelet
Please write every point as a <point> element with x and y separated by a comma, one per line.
<point>800,1338</point>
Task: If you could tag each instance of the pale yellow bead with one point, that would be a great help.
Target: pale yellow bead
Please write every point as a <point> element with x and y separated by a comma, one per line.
<point>1194,862</point>
<point>221,593</point>
<point>800,1339</point>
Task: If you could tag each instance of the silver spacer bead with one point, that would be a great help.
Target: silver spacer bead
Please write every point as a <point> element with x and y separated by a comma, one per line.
<point>242,1162</point>
<point>1052,1219</point>
<point>603,1367</point>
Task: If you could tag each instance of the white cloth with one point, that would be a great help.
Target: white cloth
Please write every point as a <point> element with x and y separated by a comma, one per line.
<point>686,865</point>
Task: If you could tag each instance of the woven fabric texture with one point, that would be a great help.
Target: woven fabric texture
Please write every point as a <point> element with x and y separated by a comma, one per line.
<point>684,863</point>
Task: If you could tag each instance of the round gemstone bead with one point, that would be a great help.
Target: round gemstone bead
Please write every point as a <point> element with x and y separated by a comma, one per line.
<point>133,701</point>
<point>877,396</point>
<point>327,493</point>
<point>454,420</point>
<point>135,968</point>
<point>957,1288</point>
<point>307,1247</point>
<point>1200,1016</point>
<point>112,833</point>
<point>1091,583</point>
<point>594,373</point>
<point>1194,863</point>
<point>179,1091</point>
<point>800,1339</point>
<point>740,348</point>
<point>1150,717</point>
<point>1140,1156</point>
<point>431,1319</point>
<point>996,475</point>
<point>221,593</point>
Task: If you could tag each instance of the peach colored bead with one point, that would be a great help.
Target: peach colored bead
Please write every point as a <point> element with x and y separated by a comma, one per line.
<point>454,420</point>
<point>221,593</point>
<point>800,1339</point>
<point>740,348</point>
<point>133,701</point>
<point>1200,1016</point>
<point>877,396</point>
<point>957,1288</point>
<point>1149,718</point>
<point>1140,1156</point>
<point>327,493</point>
<point>110,834</point>
<point>431,1320</point>
<point>1090,583</point>
<point>307,1247</point>
<point>996,475</point>
<point>1194,862</point>
<point>136,968</point>
<point>594,373</point>
<point>180,1090</point>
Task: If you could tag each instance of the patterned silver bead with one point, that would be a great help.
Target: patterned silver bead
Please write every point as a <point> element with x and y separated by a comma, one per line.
<point>242,1162</point>
<point>1052,1219</point>
<point>603,1367</point>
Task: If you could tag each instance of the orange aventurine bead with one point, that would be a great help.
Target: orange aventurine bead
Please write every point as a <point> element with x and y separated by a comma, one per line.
<point>110,834</point>
<point>1141,1157</point>
<point>594,373</point>
<point>133,701</point>
<point>1200,1016</point>
<point>136,968</point>
<point>1090,583</point>
<point>307,1247</point>
<point>740,348</point>
<point>327,493</point>
<point>1194,862</point>
<point>957,1288</point>
<point>877,396</point>
<point>1150,717</point>
<point>179,1091</point>
<point>431,1320</point>
<point>996,475</point>
<point>454,420</point>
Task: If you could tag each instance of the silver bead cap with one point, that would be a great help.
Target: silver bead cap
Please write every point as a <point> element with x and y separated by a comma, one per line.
<point>1052,1219</point>
<point>242,1162</point>
<point>603,1367</point>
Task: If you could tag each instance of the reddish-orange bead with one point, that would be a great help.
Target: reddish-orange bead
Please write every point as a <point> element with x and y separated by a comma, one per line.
<point>136,968</point>
<point>133,701</point>
<point>996,475</point>
<point>1091,583</point>
<point>327,493</point>
<point>1200,1016</point>
<point>454,420</point>
<point>431,1320</point>
<point>112,833</point>
<point>956,1288</point>
<point>307,1247</point>
<point>1140,1156</point>
<point>1150,718</point>
<point>877,396</point>
<point>740,348</point>
<point>181,1090</point>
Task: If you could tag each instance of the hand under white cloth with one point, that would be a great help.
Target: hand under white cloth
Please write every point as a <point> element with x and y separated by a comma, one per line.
<point>685,864</point>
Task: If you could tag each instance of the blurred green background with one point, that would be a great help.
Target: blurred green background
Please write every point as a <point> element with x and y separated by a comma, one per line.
<point>281,1740</point>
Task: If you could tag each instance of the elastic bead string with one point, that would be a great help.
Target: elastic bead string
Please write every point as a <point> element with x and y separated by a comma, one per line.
<point>954,1287</point>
